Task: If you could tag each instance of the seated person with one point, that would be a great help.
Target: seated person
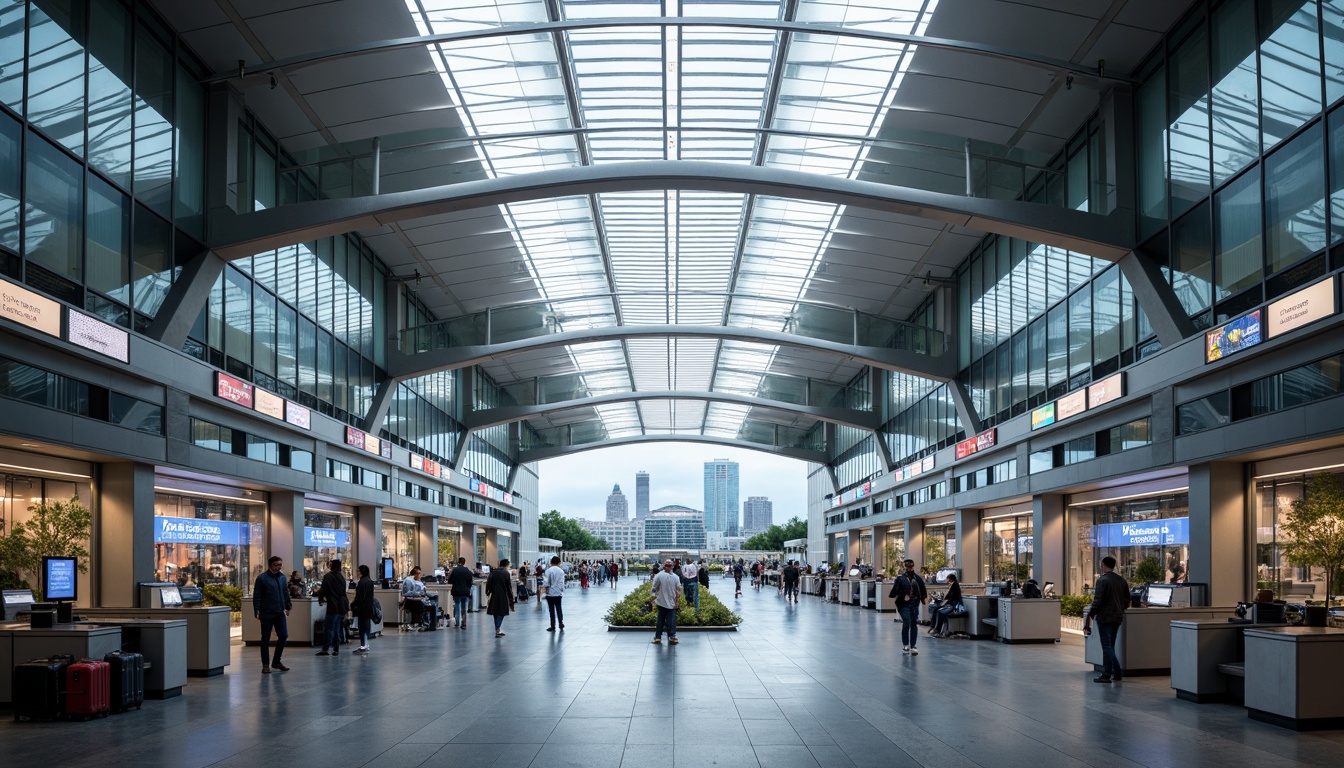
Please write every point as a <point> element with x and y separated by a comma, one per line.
<point>949,606</point>
<point>1031,589</point>
<point>413,596</point>
<point>296,585</point>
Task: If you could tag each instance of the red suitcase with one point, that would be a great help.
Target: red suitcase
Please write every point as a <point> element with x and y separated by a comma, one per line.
<point>88,689</point>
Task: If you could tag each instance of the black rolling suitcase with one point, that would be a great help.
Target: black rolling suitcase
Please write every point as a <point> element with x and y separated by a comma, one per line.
<point>128,680</point>
<point>39,687</point>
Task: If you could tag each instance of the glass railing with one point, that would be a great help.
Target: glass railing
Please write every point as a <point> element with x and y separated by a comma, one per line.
<point>752,431</point>
<point>536,320</point>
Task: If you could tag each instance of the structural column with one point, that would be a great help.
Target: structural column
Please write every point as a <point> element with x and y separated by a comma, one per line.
<point>125,533</point>
<point>852,547</point>
<point>466,543</point>
<point>970,547</point>
<point>1217,530</point>
<point>879,550</point>
<point>914,541</point>
<point>369,537</point>
<point>427,543</point>
<point>492,547</point>
<point>1047,526</point>
<point>284,532</point>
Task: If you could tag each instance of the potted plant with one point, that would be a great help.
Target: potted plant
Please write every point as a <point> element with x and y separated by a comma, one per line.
<point>1148,571</point>
<point>54,529</point>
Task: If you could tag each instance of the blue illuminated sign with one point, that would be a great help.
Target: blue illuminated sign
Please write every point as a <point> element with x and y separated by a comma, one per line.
<point>1143,533</point>
<point>190,530</point>
<point>326,537</point>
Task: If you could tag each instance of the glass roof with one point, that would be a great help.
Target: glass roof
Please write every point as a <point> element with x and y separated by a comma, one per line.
<point>808,102</point>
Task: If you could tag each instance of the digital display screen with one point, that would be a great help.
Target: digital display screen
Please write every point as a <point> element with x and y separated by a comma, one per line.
<point>18,597</point>
<point>170,596</point>
<point>1242,333</point>
<point>388,572</point>
<point>59,578</point>
<point>1043,416</point>
<point>1159,596</point>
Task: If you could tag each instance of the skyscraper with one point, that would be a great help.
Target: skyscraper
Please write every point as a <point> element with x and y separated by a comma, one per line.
<point>618,509</point>
<point>721,500</point>
<point>641,495</point>
<point>758,514</point>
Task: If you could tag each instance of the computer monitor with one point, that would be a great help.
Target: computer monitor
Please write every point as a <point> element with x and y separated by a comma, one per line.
<point>1159,596</point>
<point>60,578</point>
<point>191,595</point>
<point>387,571</point>
<point>171,597</point>
<point>16,601</point>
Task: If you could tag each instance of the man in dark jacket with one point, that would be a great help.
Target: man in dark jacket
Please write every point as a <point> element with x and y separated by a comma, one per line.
<point>910,593</point>
<point>460,580</point>
<point>270,605</point>
<point>362,608</point>
<point>333,593</point>
<point>790,577</point>
<point>1109,601</point>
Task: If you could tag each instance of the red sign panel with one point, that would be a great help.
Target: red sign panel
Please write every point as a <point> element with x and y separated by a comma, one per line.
<point>233,390</point>
<point>980,442</point>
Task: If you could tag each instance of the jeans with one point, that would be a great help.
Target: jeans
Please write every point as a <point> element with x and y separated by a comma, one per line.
<point>557,613</point>
<point>460,609</point>
<point>692,590</point>
<point>365,629</point>
<point>667,617</point>
<point>276,620</point>
<point>1110,666</point>
<point>331,630</point>
<point>790,589</point>
<point>499,622</point>
<point>940,618</point>
<point>910,624</point>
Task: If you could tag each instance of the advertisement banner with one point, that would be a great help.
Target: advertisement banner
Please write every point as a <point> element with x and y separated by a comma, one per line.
<point>1242,333</point>
<point>1110,388</point>
<point>326,537</point>
<point>92,333</point>
<point>1071,404</point>
<point>1301,308</point>
<point>24,307</point>
<point>269,404</point>
<point>1043,416</point>
<point>232,389</point>
<point>983,441</point>
<point>298,415</point>
<point>190,530</point>
<point>1144,533</point>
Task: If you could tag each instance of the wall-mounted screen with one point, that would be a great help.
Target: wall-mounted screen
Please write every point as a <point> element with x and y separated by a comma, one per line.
<point>59,580</point>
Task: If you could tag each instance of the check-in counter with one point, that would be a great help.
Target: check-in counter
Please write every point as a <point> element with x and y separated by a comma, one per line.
<point>885,602</point>
<point>809,584</point>
<point>870,590</point>
<point>979,608</point>
<point>1028,620</point>
<point>303,612</point>
<point>1197,648</point>
<point>1294,676</point>
<point>163,643</point>
<point>208,634</point>
<point>19,643</point>
<point>1143,645</point>
<point>853,591</point>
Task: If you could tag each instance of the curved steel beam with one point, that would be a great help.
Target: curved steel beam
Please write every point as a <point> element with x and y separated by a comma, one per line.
<point>491,417</point>
<point>802,454</point>
<point>260,74</point>
<point>403,366</point>
<point>1102,237</point>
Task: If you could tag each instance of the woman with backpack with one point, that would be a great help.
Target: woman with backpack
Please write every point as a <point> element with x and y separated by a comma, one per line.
<point>365,609</point>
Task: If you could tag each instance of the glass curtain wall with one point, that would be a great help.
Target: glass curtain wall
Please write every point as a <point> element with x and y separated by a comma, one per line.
<point>201,540</point>
<point>1274,498</point>
<point>1097,530</point>
<point>1009,548</point>
<point>328,536</point>
<point>399,544</point>
<point>925,420</point>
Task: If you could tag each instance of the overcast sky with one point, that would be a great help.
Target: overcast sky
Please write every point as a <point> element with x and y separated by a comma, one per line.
<point>578,485</point>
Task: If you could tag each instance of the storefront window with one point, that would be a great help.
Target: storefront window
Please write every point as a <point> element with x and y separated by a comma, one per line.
<point>1130,530</point>
<point>866,547</point>
<point>940,547</point>
<point>201,541</point>
<point>894,550</point>
<point>1274,500</point>
<point>399,544</point>
<point>327,536</point>
<point>1008,548</point>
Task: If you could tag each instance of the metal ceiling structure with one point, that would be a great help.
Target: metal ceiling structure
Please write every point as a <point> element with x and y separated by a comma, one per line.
<point>963,98</point>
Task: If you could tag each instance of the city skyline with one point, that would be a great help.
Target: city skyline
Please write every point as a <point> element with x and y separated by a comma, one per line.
<point>723,501</point>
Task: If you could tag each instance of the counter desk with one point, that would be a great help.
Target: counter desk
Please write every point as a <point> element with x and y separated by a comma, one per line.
<point>19,643</point>
<point>303,612</point>
<point>1143,645</point>
<point>978,609</point>
<point>163,643</point>
<point>1198,647</point>
<point>1028,620</point>
<point>208,635</point>
<point>1294,676</point>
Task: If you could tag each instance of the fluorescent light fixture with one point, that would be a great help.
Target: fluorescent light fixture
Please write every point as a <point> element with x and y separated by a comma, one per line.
<point>184,492</point>
<point>40,471</point>
<point>1129,496</point>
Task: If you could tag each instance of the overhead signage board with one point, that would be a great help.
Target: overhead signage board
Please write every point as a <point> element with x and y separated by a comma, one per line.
<point>429,467</point>
<point>981,442</point>
<point>1143,533</point>
<point>298,415</point>
<point>91,333</point>
<point>1315,302</point>
<point>1071,404</point>
<point>1233,337</point>
<point>233,389</point>
<point>22,306</point>
<point>1108,389</point>
<point>1043,416</point>
<point>326,537</point>
<point>266,403</point>
<point>190,530</point>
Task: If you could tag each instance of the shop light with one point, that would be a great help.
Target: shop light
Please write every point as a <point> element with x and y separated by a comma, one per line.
<point>185,492</point>
<point>38,471</point>
<point>1129,496</point>
<point>1305,471</point>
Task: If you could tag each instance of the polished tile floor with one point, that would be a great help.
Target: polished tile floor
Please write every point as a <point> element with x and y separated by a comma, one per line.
<point>812,684</point>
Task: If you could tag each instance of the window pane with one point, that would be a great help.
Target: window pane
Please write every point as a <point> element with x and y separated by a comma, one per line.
<point>11,171</point>
<point>108,226</point>
<point>1150,105</point>
<point>1238,246</point>
<point>307,361</point>
<point>11,53</point>
<point>1057,346</point>
<point>153,265</point>
<point>1036,358</point>
<point>1191,248</point>
<point>1332,12</point>
<point>56,70</point>
<point>1080,331</point>
<point>1236,120</point>
<point>1078,181</point>
<point>1290,66</point>
<point>190,148</point>
<point>1294,200</point>
<point>237,315</point>
<point>1336,177</point>
<point>1019,368</point>
<point>53,223</point>
<point>285,340</point>
<point>154,70</point>
<point>110,90</point>
<point>1189,111</point>
<point>1106,316</point>
<point>263,331</point>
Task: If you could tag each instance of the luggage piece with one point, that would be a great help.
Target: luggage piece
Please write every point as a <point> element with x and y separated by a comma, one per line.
<point>127,671</point>
<point>429,615</point>
<point>88,689</point>
<point>38,688</point>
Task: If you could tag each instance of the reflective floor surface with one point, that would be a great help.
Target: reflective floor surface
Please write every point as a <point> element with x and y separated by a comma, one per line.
<point>812,684</point>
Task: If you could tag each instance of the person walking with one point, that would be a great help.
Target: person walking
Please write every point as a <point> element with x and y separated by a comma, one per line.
<point>790,578</point>
<point>583,574</point>
<point>555,592</point>
<point>334,593</point>
<point>271,606</point>
<point>910,593</point>
<point>613,573</point>
<point>690,584</point>
<point>499,598</point>
<point>666,592</point>
<point>1109,600</point>
<point>737,577</point>
<point>704,578</point>
<point>362,608</point>
<point>460,580</point>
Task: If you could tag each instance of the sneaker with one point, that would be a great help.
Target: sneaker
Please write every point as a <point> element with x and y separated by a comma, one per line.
<point>914,652</point>
<point>278,667</point>
<point>361,650</point>
<point>324,652</point>
<point>1102,679</point>
<point>672,641</point>
<point>657,641</point>
<point>905,649</point>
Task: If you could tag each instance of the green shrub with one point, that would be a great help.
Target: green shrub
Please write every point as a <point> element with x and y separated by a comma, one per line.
<point>713,613</point>
<point>1074,605</point>
<point>223,594</point>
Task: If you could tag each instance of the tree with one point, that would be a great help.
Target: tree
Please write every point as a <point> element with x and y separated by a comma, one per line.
<point>56,529</point>
<point>568,532</point>
<point>1313,532</point>
<point>935,553</point>
<point>894,556</point>
<point>447,550</point>
<point>772,539</point>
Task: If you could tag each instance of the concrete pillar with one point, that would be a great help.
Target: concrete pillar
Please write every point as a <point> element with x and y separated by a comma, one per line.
<point>914,541</point>
<point>427,543</point>
<point>1217,530</point>
<point>125,532</point>
<point>852,548</point>
<point>284,532</point>
<point>879,550</point>
<point>1047,526</point>
<point>466,543</point>
<point>369,537</point>
<point>970,545</point>
<point>492,547</point>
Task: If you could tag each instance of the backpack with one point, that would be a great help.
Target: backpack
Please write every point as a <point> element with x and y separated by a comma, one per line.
<point>377,612</point>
